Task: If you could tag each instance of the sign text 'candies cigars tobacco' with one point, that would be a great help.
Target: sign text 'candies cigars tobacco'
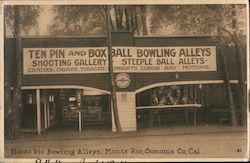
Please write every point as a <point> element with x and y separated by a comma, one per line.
<point>125,59</point>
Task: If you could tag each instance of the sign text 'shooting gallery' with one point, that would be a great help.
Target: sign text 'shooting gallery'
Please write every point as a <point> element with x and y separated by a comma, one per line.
<point>125,59</point>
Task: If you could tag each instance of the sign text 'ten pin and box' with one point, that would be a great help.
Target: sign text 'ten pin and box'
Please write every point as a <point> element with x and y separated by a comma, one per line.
<point>125,59</point>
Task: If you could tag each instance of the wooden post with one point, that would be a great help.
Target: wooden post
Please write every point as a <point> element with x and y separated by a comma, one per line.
<point>80,121</point>
<point>48,114</point>
<point>194,116</point>
<point>186,116</point>
<point>38,111</point>
<point>45,112</point>
<point>110,59</point>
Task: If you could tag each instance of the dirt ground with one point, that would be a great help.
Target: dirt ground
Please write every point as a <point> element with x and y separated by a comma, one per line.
<point>219,142</point>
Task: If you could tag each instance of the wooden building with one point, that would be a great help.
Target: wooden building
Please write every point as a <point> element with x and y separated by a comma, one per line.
<point>66,79</point>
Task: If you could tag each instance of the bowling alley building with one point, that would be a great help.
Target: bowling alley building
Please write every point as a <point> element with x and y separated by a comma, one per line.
<point>159,82</point>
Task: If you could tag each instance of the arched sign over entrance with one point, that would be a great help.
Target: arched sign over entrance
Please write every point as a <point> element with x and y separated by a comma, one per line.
<point>182,83</point>
<point>100,91</point>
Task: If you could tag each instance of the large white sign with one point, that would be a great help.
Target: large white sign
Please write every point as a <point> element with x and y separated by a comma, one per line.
<point>125,59</point>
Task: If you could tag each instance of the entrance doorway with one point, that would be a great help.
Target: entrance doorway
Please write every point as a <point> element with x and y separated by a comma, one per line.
<point>63,109</point>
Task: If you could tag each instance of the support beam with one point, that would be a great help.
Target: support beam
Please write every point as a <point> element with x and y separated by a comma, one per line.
<point>194,117</point>
<point>38,112</point>
<point>45,112</point>
<point>80,121</point>
<point>48,115</point>
<point>186,116</point>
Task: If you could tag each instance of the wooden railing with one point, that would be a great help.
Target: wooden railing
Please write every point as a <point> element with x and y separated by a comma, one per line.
<point>184,107</point>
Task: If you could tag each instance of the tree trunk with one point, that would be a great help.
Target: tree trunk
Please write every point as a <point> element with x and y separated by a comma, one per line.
<point>17,92</point>
<point>136,21</point>
<point>242,80</point>
<point>240,62</point>
<point>144,22</point>
<point>127,22</point>
<point>113,90</point>
<point>7,103</point>
<point>132,21</point>
<point>228,89</point>
<point>7,93</point>
<point>118,16</point>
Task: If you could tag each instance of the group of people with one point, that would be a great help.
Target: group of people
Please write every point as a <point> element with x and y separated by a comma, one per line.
<point>168,96</point>
<point>165,95</point>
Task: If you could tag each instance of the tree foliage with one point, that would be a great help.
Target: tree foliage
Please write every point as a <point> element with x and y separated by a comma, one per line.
<point>194,19</point>
<point>174,20</point>
<point>77,20</point>
<point>90,20</point>
<point>28,18</point>
<point>130,18</point>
